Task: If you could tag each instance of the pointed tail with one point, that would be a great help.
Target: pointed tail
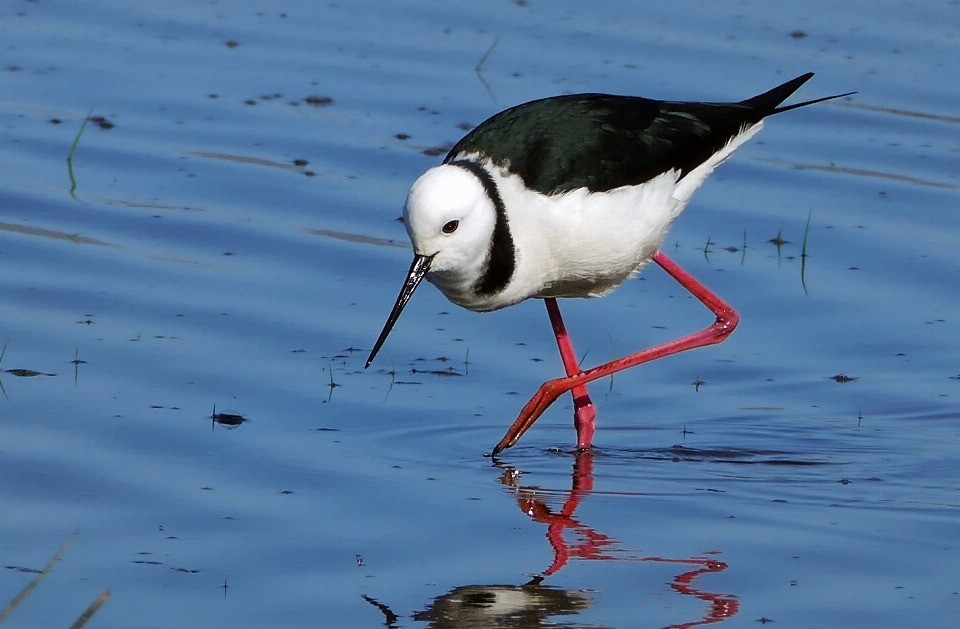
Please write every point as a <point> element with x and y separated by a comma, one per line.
<point>767,103</point>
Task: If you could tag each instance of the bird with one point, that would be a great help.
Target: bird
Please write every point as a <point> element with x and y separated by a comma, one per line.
<point>569,196</point>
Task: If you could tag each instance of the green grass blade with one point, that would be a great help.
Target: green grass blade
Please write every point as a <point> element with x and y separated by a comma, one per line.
<point>803,255</point>
<point>480,63</point>
<point>487,54</point>
<point>90,611</point>
<point>25,592</point>
<point>73,149</point>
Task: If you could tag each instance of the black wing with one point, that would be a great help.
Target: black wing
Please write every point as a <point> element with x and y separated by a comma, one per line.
<point>601,142</point>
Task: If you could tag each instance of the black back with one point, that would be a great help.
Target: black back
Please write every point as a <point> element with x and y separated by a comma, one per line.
<point>601,142</point>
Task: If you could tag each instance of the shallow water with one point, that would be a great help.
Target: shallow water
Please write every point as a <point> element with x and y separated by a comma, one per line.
<point>185,269</point>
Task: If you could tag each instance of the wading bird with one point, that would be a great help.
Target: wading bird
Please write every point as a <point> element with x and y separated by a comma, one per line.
<point>568,197</point>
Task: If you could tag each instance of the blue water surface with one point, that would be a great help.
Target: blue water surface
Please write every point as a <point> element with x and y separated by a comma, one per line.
<point>187,305</point>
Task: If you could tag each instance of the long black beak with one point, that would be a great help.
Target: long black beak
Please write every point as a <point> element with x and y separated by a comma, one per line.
<point>418,270</point>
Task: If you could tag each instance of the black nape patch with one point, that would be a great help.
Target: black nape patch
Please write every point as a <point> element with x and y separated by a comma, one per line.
<point>502,256</point>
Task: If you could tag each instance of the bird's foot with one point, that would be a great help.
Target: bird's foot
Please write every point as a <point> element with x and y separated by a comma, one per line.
<point>585,421</point>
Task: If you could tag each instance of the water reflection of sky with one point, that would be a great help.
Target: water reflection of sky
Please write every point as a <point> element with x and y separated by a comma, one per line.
<point>200,262</point>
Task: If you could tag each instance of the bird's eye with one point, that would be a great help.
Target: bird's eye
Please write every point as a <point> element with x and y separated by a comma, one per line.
<point>450,227</point>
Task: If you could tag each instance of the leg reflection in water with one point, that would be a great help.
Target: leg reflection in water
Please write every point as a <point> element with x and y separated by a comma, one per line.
<point>588,544</point>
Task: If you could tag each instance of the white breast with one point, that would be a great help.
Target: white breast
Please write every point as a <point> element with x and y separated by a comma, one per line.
<point>581,244</point>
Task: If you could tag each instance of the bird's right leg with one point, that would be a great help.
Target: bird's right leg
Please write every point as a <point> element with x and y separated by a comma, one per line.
<point>726,320</point>
<point>584,412</point>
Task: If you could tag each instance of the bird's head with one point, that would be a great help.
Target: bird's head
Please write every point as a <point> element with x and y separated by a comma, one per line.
<point>450,218</point>
<point>450,221</point>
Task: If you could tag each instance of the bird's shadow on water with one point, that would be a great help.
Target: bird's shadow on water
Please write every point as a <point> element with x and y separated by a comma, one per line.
<point>738,456</point>
<point>534,603</point>
<point>679,453</point>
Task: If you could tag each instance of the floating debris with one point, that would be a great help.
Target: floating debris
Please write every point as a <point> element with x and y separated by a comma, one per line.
<point>101,122</point>
<point>26,373</point>
<point>449,371</point>
<point>778,240</point>
<point>843,378</point>
<point>22,569</point>
<point>318,101</point>
<point>436,151</point>
<point>230,421</point>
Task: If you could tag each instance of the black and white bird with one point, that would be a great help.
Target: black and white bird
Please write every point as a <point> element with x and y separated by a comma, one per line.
<point>568,197</point>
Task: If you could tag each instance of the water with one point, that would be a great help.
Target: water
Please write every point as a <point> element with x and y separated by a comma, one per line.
<point>191,263</point>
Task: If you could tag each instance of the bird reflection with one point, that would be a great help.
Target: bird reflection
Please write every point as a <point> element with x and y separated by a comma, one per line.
<point>502,606</point>
<point>534,604</point>
<point>590,544</point>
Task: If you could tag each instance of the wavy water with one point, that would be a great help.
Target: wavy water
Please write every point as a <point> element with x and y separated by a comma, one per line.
<point>186,308</point>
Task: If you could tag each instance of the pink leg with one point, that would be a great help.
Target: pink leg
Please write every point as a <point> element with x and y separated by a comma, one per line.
<point>584,412</point>
<point>727,320</point>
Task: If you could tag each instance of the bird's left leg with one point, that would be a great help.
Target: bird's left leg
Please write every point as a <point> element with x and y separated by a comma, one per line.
<point>727,319</point>
<point>584,412</point>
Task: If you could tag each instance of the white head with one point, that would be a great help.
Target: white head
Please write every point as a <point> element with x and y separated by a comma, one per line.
<point>450,221</point>
<point>448,215</point>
